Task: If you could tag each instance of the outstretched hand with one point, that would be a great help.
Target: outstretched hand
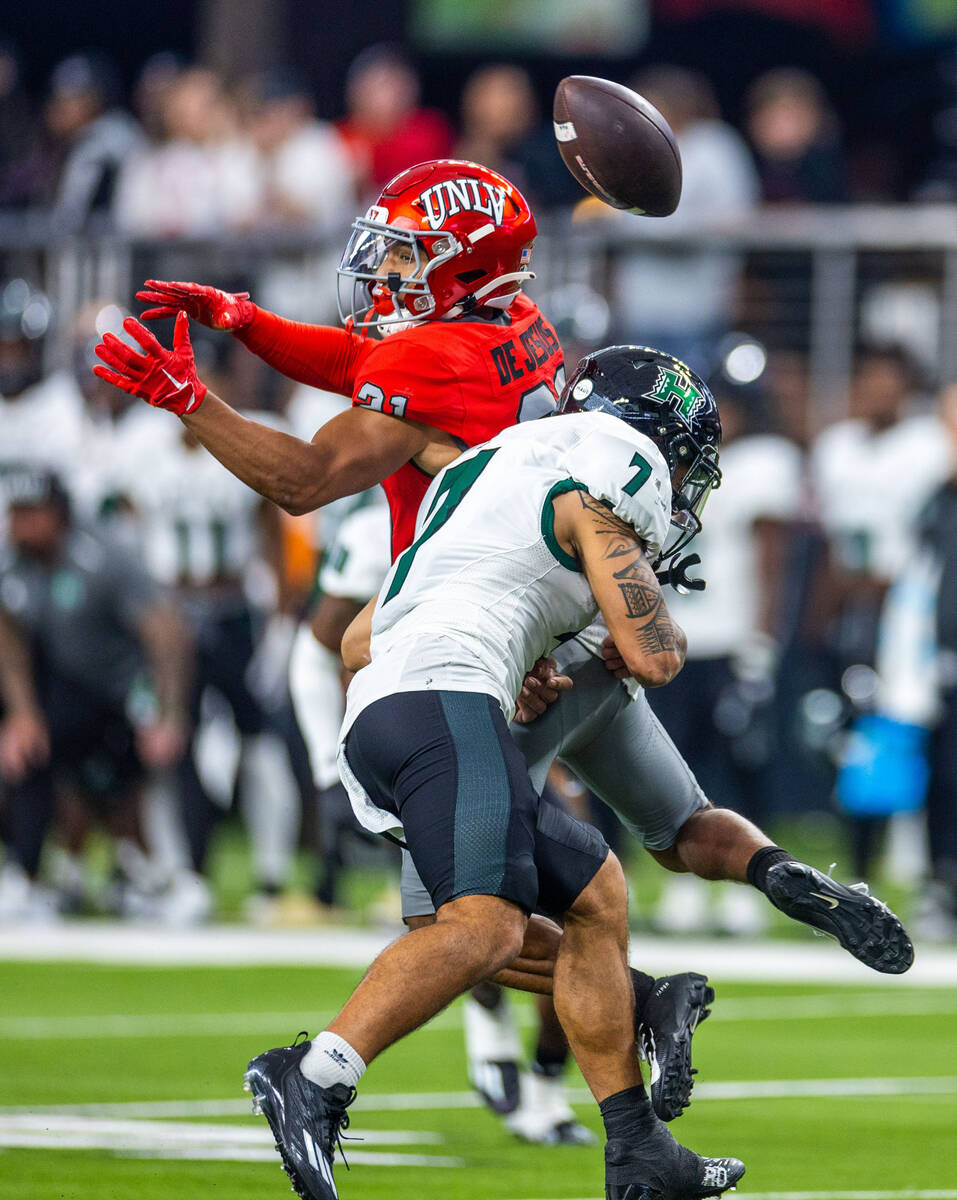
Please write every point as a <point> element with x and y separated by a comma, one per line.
<point>164,378</point>
<point>207,305</point>
<point>541,687</point>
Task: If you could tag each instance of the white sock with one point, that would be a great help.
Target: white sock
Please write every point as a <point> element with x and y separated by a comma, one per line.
<point>330,1059</point>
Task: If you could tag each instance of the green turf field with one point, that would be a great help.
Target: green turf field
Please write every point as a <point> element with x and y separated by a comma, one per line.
<point>139,1048</point>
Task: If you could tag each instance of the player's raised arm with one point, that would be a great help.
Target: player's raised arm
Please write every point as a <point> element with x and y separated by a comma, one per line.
<point>318,355</point>
<point>354,451</point>
<point>613,558</point>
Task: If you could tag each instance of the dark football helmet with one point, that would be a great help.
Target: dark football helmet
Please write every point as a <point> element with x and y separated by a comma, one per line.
<point>664,399</point>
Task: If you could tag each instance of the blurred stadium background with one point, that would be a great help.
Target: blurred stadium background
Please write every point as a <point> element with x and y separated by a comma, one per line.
<point>181,908</point>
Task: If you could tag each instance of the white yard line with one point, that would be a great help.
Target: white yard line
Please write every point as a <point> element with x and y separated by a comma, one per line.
<point>877,1004</point>
<point>170,1139</point>
<point>160,1025</point>
<point>245,1154</point>
<point>56,1125</point>
<point>762,1089</point>
<point>806,960</point>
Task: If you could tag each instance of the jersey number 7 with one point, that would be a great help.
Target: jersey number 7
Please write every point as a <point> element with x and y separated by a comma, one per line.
<point>642,475</point>
<point>454,486</point>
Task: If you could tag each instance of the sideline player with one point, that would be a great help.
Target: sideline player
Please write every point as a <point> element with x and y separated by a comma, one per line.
<point>354,563</point>
<point>440,350</point>
<point>518,542</point>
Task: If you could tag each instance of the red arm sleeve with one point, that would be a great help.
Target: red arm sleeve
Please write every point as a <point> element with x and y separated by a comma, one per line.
<point>319,355</point>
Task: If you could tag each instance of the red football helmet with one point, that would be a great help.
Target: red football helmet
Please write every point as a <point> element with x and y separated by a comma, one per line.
<point>445,237</point>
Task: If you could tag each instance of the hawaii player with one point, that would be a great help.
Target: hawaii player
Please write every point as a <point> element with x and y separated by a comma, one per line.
<point>518,543</point>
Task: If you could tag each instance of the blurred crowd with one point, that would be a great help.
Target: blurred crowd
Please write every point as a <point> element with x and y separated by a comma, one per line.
<point>187,153</point>
<point>149,601</point>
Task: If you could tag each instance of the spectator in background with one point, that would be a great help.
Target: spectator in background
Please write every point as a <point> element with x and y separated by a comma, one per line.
<point>306,171</point>
<point>502,128</point>
<point>92,675</point>
<point>157,75</point>
<point>94,137</point>
<point>26,161</point>
<point>717,710</point>
<point>499,111</point>
<point>684,299</point>
<point>940,185</point>
<point>795,138</point>
<point>871,474</point>
<point>385,129</point>
<point>202,178</point>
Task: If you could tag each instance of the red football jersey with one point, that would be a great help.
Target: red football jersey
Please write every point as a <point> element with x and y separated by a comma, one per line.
<point>471,377</point>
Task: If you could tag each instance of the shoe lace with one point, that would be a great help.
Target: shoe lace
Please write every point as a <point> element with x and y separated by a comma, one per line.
<point>861,888</point>
<point>339,1120</point>
<point>338,1117</point>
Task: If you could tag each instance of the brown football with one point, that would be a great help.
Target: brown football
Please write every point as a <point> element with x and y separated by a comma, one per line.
<point>617,145</point>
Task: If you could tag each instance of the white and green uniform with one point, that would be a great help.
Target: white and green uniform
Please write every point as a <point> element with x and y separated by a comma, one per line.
<point>485,589</point>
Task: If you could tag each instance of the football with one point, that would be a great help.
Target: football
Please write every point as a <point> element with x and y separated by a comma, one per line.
<point>617,145</point>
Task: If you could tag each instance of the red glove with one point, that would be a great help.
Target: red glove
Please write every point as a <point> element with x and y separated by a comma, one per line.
<point>166,378</point>
<point>207,305</point>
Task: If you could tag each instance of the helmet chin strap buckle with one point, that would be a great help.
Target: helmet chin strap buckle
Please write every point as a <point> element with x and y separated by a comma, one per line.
<point>676,574</point>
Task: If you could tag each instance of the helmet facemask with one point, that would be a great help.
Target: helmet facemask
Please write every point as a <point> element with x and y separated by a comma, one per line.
<point>390,298</point>
<point>689,495</point>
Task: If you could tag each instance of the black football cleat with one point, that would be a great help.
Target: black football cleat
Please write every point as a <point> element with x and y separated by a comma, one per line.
<point>306,1120</point>
<point>674,1009</point>
<point>659,1168</point>
<point>863,925</point>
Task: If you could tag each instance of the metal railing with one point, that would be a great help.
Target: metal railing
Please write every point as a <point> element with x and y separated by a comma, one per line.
<point>803,278</point>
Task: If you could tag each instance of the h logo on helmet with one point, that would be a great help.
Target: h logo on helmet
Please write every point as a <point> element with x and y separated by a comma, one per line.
<point>452,196</point>
<point>670,384</point>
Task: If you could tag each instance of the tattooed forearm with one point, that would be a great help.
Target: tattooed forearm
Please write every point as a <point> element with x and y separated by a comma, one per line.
<point>650,624</point>
<point>658,637</point>
<point>640,599</point>
<point>655,631</point>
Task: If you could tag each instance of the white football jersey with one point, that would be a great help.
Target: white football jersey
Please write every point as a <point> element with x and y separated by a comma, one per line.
<point>197,522</point>
<point>361,553</point>
<point>485,589</point>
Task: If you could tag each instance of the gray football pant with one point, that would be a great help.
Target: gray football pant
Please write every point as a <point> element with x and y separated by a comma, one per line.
<point>617,748</point>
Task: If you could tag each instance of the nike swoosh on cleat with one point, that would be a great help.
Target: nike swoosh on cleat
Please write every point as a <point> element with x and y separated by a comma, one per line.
<point>828,900</point>
<point>175,382</point>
